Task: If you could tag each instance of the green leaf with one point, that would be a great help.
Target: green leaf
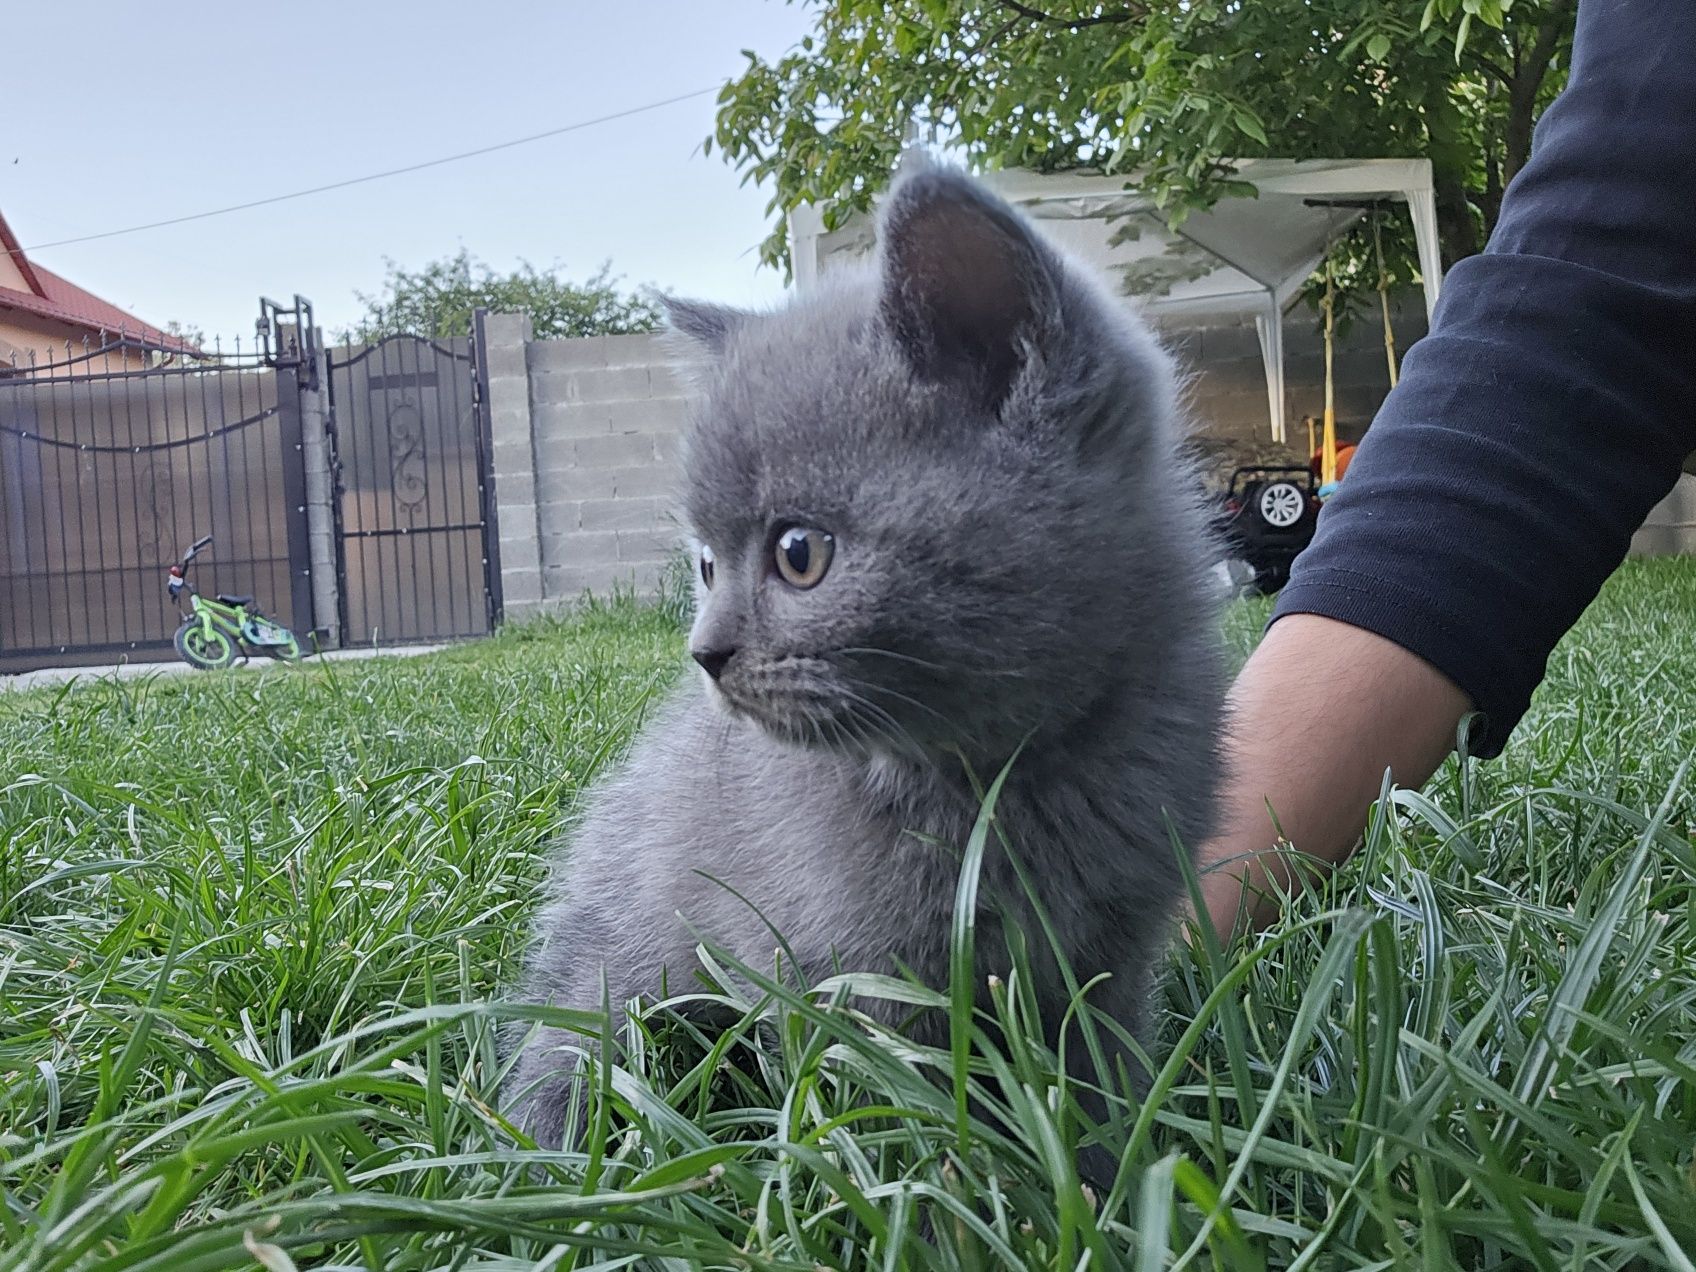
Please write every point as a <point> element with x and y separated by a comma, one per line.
<point>1378,47</point>
<point>1250,126</point>
<point>962,942</point>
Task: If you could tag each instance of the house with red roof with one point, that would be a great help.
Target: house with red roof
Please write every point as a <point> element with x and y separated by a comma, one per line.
<point>41,313</point>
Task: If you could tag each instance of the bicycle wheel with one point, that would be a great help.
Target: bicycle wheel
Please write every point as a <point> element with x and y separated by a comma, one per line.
<point>284,649</point>
<point>203,647</point>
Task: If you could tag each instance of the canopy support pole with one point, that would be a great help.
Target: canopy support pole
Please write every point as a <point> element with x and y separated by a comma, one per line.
<point>1422,207</point>
<point>1269,326</point>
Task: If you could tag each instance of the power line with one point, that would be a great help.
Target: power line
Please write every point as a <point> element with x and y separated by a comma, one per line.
<point>378,176</point>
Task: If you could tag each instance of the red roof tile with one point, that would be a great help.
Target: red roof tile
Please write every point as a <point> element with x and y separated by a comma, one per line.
<point>54,297</point>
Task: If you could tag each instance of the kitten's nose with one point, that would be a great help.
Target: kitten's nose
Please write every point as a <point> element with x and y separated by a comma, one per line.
<point>712,660</point>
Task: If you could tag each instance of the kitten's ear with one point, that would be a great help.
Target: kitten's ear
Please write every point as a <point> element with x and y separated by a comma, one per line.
<point>705,326</point>
<point>967,288</point>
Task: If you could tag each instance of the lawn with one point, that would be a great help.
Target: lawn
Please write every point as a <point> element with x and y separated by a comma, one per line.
<point>253,928</point>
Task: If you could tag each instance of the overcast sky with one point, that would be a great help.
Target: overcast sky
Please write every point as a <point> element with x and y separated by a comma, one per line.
<point>163,112</point>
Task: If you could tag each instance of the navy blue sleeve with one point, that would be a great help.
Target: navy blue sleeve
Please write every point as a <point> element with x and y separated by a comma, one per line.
<point>1554,400</point>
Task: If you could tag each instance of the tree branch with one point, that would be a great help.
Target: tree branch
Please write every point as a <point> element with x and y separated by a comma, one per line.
<point>1528,79</point>
<point>1099,19</point>
<point>1497,73</point>
<point>995,37</point>
<point>1536,64</point>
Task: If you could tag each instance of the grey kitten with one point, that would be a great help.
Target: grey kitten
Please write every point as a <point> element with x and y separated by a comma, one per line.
<point>941,514</point>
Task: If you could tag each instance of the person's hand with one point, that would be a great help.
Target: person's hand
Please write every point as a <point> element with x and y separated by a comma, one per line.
<point>1317,715</point>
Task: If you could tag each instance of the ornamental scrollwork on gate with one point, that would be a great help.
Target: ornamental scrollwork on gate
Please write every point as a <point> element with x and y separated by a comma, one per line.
<point>153,477</point>
<point>407,472</point>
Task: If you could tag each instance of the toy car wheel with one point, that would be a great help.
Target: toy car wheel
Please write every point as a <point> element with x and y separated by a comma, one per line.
<point>1281,504</point>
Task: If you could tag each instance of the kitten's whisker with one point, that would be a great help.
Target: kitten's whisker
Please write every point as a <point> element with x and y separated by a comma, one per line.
<point>868,732</point>
<point>845,737</point>
<point>880,717</point>
<point>891,729</point>
<point>928,665</point>
<point>869,687</point>
<point>849,734</point>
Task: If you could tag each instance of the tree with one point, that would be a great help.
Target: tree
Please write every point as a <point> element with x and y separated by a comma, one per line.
<point>439,300</point>
<point>1167,90</point>
<point>189,334</point>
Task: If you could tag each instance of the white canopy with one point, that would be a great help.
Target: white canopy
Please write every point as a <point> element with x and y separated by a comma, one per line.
<point>1242,256</point>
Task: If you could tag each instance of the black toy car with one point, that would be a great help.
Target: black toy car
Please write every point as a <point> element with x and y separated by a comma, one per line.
<point>1268,513</point>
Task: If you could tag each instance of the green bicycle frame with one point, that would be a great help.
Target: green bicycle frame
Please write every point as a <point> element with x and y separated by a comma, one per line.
<point>232,620</point>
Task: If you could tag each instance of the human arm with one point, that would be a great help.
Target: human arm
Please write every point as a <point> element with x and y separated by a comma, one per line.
<point>1549,409</point>
<point>1309,737</point>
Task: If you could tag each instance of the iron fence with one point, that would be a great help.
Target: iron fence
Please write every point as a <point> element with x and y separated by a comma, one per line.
<point>110,466</point>
<point>116,456</point>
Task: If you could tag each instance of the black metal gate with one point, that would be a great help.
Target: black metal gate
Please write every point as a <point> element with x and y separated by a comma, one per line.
<point>109,468</point>
<point>415,524</point>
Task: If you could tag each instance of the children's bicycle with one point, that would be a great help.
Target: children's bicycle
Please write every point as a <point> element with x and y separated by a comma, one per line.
<point>214,632</point>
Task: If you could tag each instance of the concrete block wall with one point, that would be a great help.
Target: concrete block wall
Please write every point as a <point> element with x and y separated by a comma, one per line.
<point>596,474</point>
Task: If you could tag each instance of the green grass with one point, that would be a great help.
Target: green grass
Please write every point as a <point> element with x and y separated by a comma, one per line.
<point>253,929</point>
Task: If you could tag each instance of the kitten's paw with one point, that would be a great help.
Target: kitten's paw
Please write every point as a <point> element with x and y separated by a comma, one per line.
<point>539,1094</point>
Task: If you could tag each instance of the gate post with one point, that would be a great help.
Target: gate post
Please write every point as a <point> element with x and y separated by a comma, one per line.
<point>513,461</point>
<point>290,390</point>
<point>319,454</point>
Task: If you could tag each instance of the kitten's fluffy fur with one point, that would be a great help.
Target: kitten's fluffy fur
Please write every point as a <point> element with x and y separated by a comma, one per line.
<point>1020,559</point>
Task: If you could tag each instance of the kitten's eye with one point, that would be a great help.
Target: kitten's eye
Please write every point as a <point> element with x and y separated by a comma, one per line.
<point>803,556</point>
<point>707,566</point>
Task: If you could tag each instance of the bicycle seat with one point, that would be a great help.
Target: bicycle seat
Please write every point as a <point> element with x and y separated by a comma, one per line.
<point>226,599</point>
